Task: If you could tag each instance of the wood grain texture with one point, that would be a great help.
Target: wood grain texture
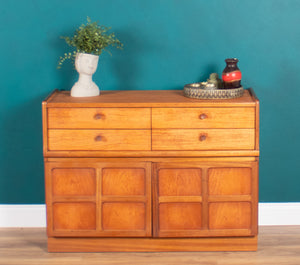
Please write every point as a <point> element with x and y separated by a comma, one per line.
<point>163,118</point>
<point>179,216</point>
<point>278,245</point>
<point>123,181</point>
<point>257,128</point>
<point>71,182</point>
<point>254,201</point>
<point>114,102</point>
<point>144,98</point>
<point>126,208</point>
<point>124,216</point>
<point>99,118</point>
<point>214,139</point>
<point>229,181</point>
<point>152,245</point>
<point>99,140</point>
<point>129,166</point>
<point>151,153</point>
<point>45,126</point>
<point>121,207</point>
<point>45,119</point>
<point>179,182</point>
<point>229,215</point>
<point>152,159</point>
<point>74,216</point>
<point>228,196</point>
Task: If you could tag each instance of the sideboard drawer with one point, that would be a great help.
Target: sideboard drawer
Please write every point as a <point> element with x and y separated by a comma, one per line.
<point>95,140</point>
<point>102,118</point>
<point>203,117</point>
<point>206,139</point>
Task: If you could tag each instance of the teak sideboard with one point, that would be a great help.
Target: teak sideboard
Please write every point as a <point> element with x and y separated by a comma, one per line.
<point>151,171</point>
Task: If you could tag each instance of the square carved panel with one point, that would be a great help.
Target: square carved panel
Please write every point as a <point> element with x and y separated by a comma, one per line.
<point>229,181</point>
<point>180,216</point>
<point>229,215</point>
<point>123,181</point>
<point>73,181</point>
<point>123,216</point>
<point>71,216</point>
<point>179,182</point>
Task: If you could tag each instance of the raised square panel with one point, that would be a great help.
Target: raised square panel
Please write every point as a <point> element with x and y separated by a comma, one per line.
<point>73,181</point>
<point>123,216</point>
<point>74,216</point>
<point>229,181</point>
<point>230,215</point>
<point>180,216</point>
<point>123,181</point>
<point>179,182</point>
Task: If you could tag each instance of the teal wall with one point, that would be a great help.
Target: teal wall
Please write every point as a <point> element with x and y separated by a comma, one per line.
<point>168,43</point>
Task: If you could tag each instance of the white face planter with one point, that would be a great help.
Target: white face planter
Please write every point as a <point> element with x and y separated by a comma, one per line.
<point>86,66</point>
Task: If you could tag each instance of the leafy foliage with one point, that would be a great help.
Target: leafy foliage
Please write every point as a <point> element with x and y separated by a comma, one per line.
<point>90,38</point>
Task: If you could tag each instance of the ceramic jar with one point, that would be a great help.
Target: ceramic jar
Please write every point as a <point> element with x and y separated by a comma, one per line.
<point>231,75</point>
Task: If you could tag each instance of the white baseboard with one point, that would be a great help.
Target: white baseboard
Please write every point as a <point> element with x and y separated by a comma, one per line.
<point>12,215</point>
<point>35,215</point>
<point>279,213</point>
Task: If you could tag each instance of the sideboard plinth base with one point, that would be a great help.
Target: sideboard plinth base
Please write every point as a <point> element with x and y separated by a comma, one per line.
<point>151,244</point>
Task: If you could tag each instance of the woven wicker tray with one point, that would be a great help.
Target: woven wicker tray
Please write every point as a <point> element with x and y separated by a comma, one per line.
<point>194,91</point>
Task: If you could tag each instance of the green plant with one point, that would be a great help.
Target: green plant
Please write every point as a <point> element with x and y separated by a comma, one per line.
<point>90,38</point>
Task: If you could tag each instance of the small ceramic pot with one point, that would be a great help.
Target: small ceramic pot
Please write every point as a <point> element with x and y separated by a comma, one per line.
<point>231,74</point>
<point>86,66</point>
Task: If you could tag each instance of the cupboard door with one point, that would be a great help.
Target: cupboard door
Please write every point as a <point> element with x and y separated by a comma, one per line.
<point>231,194</point>
<point>178,198</point>
<point>126,200</point>
<point>205,199</point>
<point>98,199</point>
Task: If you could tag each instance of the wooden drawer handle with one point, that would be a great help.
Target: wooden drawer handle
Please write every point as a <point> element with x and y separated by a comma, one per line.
<point>202,137</point>
<point>202,116</point>
<point>98,116</point>
<point>98,138</point>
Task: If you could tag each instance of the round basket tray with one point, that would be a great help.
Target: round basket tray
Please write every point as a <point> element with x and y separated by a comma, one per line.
<point>194,91</point>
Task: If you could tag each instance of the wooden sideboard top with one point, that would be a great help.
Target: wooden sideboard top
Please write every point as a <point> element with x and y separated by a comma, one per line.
<point>146,98</point>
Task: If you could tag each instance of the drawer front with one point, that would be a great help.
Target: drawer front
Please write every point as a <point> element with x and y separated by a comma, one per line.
<point>92,118</point>
<point>203,118</point>
<point>99,140</point>
<point>206,139</point>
